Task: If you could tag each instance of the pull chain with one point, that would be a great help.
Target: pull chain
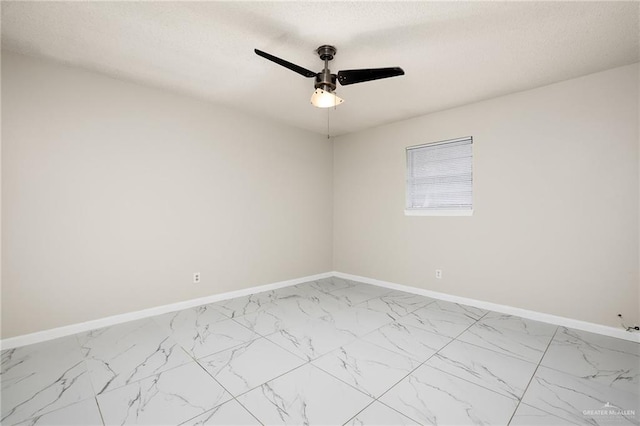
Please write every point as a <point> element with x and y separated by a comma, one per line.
<point>335,106</point>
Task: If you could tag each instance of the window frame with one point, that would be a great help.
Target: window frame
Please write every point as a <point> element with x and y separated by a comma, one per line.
<point>431,211</point>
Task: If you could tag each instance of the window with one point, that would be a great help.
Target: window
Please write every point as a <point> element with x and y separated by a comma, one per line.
<point>440,178</point>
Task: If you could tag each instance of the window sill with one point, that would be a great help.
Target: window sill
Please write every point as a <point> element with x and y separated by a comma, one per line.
<point>438,212</point>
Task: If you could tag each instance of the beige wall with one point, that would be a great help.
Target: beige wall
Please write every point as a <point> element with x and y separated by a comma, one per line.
<point>555,227</point>
<point>115,193</point>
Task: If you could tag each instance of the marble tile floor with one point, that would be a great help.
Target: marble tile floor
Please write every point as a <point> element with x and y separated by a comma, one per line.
<point>329,352</point>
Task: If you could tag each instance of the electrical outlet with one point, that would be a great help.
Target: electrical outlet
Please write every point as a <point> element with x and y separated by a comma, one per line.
<point>196,277</point>
<point>438,273</point>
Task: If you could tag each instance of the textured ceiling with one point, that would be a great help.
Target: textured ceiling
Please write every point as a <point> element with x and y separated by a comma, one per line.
<point>453,53</point>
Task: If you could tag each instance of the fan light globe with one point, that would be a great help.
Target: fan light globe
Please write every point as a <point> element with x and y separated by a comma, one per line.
<point>323,99</point>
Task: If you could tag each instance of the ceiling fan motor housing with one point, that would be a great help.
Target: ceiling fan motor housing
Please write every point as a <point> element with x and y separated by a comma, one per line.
<point>324,79</point>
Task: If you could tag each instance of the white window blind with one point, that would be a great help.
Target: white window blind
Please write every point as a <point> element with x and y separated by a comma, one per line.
<point>440,178</point>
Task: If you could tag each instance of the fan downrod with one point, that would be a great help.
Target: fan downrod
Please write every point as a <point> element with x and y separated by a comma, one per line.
<point>324,79</point>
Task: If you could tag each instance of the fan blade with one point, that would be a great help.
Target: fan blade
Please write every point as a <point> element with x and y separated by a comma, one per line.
<point>360,76</point>
<point>293,67</point>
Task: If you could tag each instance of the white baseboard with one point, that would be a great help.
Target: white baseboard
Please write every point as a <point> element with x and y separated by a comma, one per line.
<point>68,330</point>
<point>54,333</point>
<point>504,309</point>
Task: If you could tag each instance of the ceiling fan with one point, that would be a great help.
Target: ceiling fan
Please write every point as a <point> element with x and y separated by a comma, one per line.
<point>325,82</point>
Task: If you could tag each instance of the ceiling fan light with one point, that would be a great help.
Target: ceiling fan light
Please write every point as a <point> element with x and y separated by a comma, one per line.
<point>323,99</point>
